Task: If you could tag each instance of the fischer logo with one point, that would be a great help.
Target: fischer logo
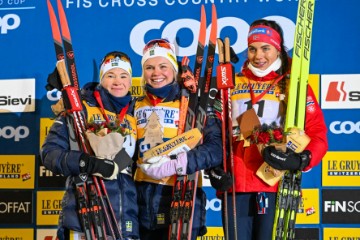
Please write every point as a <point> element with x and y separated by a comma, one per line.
<point>9,22</point>
<point>9,132</point>
<point>342,206</point>
<point>171,29</point>
<point>340,91</point>
<point>346,127</point>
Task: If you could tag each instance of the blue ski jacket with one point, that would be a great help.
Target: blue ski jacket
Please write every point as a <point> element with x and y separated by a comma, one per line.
<point>57,156</point>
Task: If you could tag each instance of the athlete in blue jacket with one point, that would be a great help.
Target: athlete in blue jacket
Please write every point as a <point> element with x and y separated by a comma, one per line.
<point>108,102</point>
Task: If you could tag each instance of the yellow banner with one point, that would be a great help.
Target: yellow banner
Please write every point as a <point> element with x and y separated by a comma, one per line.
<point>17,171</point>
<point>137,87</point>
<point>309,209</point>
<point>48,207</point>
<point>18,233</point>
<point>45,124</point>
<point>314,83</point>
<point>341,169</point>
<point>341,233</point>
<point>213,233</point>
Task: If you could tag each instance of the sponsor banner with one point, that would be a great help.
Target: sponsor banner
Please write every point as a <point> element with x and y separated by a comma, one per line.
<point>213,233</point>
<point>309,210</point>
<point>213,208</point>
<point>343,129</point>
<point>137,87</point>
<point>48,207</point>
<point>341,234</point>
<point>17,95</point>
<point>307,234</point>
<point>17,171</point>
<point>340,91</point>
<point>217,233</point>
<point>46,234</point>
<point>314,82</point>
<point>16,207</point>
<point>14,133</point>
<point>16,234</point>
<point>341,169</point>
<point>341,206</point>
<point>47,179</point>
<point>45,124</point>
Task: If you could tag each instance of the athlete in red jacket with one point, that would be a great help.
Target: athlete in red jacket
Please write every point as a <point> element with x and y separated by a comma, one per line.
<point>262,86</point>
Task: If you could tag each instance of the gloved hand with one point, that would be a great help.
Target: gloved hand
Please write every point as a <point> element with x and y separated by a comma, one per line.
<point>104,168</point>
<point>288,160</point>
<point>219,179</point>
<point>165,166</point>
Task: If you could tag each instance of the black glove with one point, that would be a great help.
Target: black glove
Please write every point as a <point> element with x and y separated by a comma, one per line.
<point>219,179</point>
<point>105,168</point>
<point>288,160</point>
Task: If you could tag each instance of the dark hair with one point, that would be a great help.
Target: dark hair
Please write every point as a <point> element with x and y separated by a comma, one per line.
<point>285,59</point>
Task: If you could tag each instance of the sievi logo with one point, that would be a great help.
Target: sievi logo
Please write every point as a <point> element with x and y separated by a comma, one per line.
<point>9,22</point>
<point>340,91</point>
<point>17,95</point>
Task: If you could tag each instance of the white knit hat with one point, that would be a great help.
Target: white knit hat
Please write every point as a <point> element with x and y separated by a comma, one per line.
<point>160,48</point>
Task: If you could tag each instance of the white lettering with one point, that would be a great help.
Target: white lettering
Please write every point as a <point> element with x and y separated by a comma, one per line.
<point>170,31</point>
<point>20,132</point>
<point>346,127</point>
<point>9,22</point>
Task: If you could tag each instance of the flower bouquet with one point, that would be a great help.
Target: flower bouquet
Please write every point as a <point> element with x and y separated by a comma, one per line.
<point>106,139</point>
<point>266,135</point>
<point>263,136</point>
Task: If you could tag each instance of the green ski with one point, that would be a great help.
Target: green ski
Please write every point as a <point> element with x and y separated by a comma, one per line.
<point>289,196</point>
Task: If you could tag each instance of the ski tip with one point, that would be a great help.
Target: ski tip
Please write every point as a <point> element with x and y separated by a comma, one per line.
<point>202,31</point>
<point>213,34</point>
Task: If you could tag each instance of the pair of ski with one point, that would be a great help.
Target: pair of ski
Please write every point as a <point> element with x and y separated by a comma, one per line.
<point>94,206</point>
<point>289,192</point>
<point>193,106</point>
<point>225,82</point>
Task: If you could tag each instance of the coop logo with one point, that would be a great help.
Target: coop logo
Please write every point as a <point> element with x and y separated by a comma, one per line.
<point>345,127</point>
<point>170,31</point>
<point>340,91</point>
<point>9,132</point>
<point>213,204</point>
<point>9,22</point>
<point>53,95</point>
<point>341,206</point>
